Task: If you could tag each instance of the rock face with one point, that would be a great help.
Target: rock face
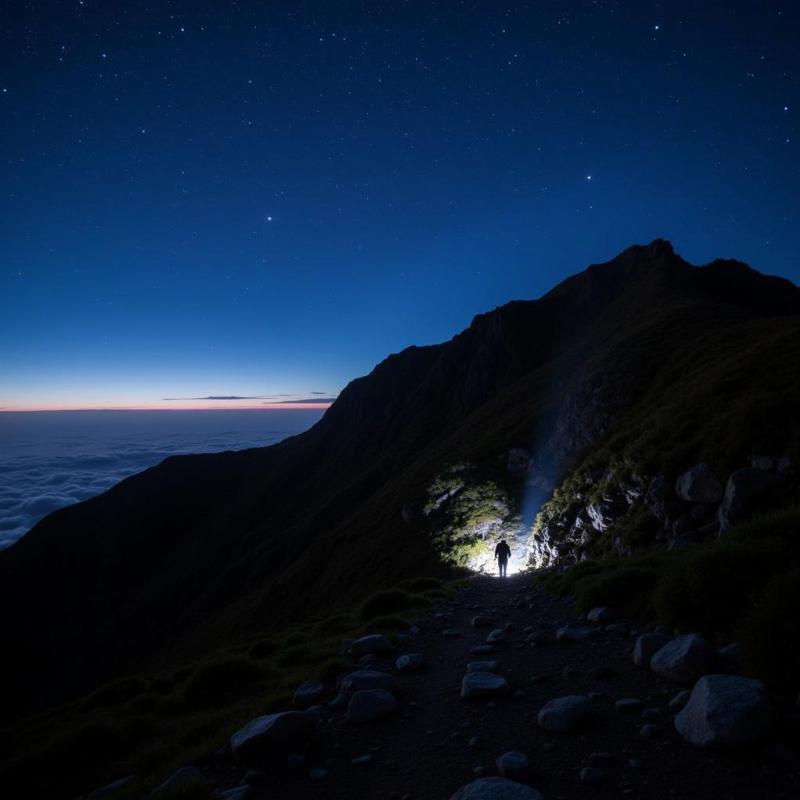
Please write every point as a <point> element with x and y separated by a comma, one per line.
<point>482,684</point>
<point>564,713</point>
<point>646,646</point>
<point>282,732</point>
<point>725,711</point>
<point>369,705</point>
<point>685,659</point>
<point>496,789</point>
<point>699,485</point>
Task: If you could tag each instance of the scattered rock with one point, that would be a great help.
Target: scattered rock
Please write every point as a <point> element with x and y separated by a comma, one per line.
<point>514,765</point>
<point>564,713</point>
<point>592,776</point>
<point>410,662</point>
<point>183,776</point>
<point>279,732</point>
<point>451,633</point>
<point>482,666</point>
<point>699,485</point>
<point>368,679</point>
<point>600,615</point>
<point>573,633</point>
<point>373,644</point>
<point>725,711</point>
<point>629,705</point>
<point>482,684</point>
<point>496,789</point>
<point>647,645</point>
<point>309,693</point>
<point>685,659</point>
<point>496,636</point>
<point>368,705</point>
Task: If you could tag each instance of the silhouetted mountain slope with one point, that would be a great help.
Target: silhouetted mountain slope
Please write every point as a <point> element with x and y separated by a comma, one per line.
<point>201,549</point>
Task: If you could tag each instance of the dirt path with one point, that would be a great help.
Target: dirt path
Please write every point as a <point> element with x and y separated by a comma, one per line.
<point>439,742</point>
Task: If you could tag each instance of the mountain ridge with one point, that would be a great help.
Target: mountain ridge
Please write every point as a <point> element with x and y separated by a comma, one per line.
<point>203,548</point>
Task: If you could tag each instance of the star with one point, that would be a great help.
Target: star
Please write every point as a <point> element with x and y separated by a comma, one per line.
<point>588,177</point>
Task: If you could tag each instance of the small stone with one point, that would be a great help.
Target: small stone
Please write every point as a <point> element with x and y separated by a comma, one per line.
<point>480,621</point>
<point>514,765</point>
<point>370,645</point>
<point>451,633</point>
<point>496,789</point>
<point>317,774</point>
<point>482,650</point>
<point>482,684</point>
<point>684,659</point>
<point>369,705</point>
<point>649,731</point>
<point>600,615</point>
<point>309,693</point>
<point>496,636</point>
<point>474,741</point>
<point>482,666</point>
<point>574,633</point>
<point>629,705</point>
<point>410,662</point>
<point>362,761</point>
<point>647,645</point>
<point>564,713</point>
<point>592,776</point>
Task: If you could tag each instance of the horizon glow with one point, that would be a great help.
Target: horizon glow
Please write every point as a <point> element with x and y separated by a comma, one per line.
<point>209,199</point>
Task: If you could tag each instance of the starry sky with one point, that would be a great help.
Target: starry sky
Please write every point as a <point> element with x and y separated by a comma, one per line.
<point>203,201</point>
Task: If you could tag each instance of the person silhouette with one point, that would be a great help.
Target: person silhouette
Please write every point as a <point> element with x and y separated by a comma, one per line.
<point>501,553</point>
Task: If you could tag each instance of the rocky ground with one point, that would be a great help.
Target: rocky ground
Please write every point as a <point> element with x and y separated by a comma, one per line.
<point>432,742</point>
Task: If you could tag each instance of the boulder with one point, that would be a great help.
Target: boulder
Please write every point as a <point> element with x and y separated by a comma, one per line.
<point>496,789</point>
<point>178,779</point>
<point>309,693</point>
<point>368,705</point>
<point>647,645</point>
<point>482,666</point>
<point>482,684</point>
<point>725,711</point>
<point>409,662</point>
<point>370,645</point>
<point>563,714</point>
<point>744,489</point>
<point>600,615</point>
<point>368,679</point>
<point>699,485</point>
<point>513,765</point>
<point>685,659</point>
<point>281,732</point>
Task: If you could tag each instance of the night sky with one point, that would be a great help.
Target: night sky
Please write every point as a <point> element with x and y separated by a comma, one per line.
<point>263,199</point>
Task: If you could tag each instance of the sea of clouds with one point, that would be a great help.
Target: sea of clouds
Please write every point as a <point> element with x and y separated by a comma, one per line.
<point>49,460</point>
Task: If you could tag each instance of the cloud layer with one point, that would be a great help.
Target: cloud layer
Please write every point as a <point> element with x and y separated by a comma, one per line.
<point>52,460</point>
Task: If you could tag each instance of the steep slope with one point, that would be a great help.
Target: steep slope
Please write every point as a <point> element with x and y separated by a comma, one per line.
<point>202,549</point>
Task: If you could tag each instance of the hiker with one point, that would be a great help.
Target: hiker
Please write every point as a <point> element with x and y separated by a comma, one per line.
<point>501,553</point>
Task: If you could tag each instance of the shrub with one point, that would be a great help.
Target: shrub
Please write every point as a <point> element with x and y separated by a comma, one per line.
<point>386,624</point>
<point>628,587</point>
<point>390,602</point>
<point>770,633</point>
<point>219,679</point>
<point>421,584</point>
<point>113,694</point>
